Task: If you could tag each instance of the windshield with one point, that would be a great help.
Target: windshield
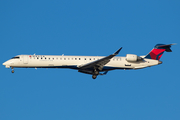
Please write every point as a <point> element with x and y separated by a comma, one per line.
<point>15,57</point>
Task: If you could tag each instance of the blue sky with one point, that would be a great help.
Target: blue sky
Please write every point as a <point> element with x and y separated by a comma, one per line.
<point>92,27</point>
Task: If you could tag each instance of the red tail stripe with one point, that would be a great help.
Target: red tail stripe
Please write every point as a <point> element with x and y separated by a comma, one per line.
<point>156,52</point>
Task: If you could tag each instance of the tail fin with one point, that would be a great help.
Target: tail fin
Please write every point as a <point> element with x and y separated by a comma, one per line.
<point>158,51</point>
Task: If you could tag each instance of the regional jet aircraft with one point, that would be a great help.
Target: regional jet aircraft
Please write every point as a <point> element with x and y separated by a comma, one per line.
<point>92,65</point>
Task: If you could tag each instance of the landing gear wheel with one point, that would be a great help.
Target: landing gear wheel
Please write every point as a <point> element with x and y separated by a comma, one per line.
<point>94,76</point>
<point>12,69</point>
<point>96,72</point>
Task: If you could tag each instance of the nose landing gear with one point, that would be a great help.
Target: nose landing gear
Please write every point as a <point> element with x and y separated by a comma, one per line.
<point>12,70</point>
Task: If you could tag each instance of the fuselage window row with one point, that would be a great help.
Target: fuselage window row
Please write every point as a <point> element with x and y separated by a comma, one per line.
<point>64,58</point>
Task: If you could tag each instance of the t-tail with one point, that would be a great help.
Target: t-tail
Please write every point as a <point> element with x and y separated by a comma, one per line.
<point>158,51</point>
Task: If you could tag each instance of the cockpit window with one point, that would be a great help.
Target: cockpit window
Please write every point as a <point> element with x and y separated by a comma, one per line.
<point>15,58</point>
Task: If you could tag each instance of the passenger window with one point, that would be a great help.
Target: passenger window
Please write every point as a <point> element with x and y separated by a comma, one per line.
<point>79,58</point>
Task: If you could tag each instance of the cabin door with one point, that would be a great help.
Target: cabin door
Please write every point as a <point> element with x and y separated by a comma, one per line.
<point>25,59</point>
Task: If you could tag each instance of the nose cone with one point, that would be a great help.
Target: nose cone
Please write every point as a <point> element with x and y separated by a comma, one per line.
<point>6,64</point>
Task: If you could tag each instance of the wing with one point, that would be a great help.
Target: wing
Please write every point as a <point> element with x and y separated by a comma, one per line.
<point>98,64</point>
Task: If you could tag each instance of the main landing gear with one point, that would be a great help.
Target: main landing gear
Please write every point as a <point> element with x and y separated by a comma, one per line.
<point>95,74</point>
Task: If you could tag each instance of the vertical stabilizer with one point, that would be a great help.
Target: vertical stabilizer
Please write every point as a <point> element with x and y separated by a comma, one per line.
<point>158,51</point>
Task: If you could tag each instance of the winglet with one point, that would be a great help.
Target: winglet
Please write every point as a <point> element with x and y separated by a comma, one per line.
<point>117,52</point>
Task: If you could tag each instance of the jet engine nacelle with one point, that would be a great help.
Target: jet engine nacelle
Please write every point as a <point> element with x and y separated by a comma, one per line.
<point>133,58</point>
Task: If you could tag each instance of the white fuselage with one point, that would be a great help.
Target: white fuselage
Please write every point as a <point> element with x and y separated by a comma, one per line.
<point>74,62</point>
<point>93,65</point>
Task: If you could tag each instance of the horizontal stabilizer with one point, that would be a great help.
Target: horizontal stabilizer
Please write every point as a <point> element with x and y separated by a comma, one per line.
<point>163,46</point>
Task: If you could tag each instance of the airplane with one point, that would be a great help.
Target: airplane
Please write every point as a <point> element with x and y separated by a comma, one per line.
<point>93,65</point>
